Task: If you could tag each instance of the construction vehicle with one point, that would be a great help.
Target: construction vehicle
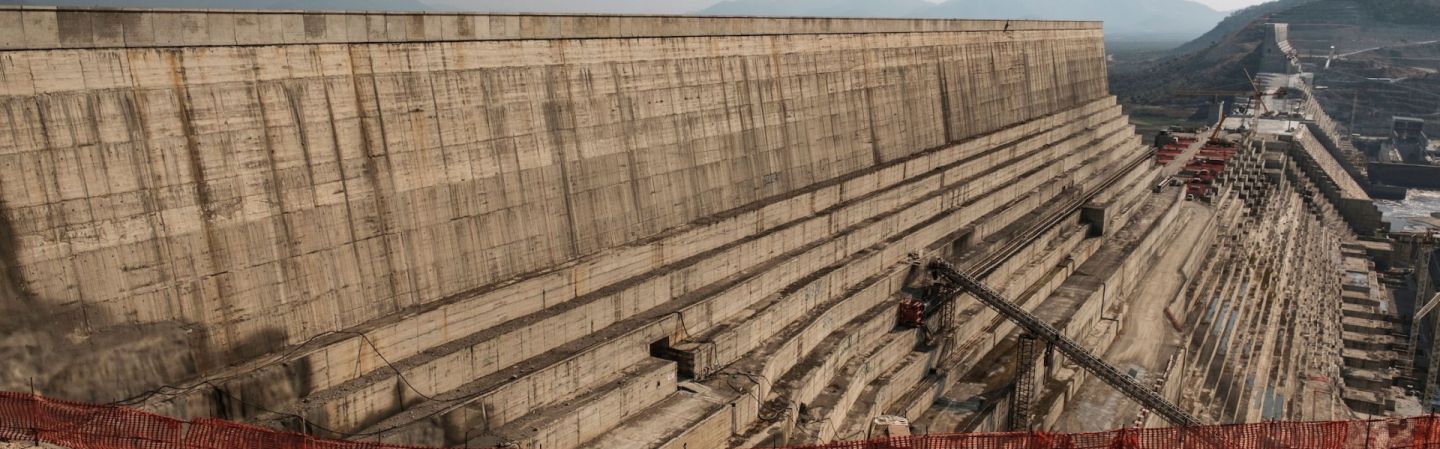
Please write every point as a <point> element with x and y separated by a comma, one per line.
<point>1165,181</point>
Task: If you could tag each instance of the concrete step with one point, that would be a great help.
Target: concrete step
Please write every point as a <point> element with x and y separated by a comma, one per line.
<point>881,393</point>
<point>569,424</point>
<point>730,338</point>
<point>347,407</point>
<point>740,323</point>
<point>612,347</point>
<point>802,383</point>
<point>336,359</point>
<point>670,425</point>
<point>1036,257</point>
<point>982,325</point>
<point>820,419</point>
<point>731,398</point>
<point>744,405</point>
<point>917,400</point>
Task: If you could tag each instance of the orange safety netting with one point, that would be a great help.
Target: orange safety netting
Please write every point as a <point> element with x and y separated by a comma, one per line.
<point>32,418</point>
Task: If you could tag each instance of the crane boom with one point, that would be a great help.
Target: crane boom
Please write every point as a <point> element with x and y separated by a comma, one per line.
<point>1090,362</point>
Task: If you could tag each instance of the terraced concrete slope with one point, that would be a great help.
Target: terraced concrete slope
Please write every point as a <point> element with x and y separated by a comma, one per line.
<point>562,231</point>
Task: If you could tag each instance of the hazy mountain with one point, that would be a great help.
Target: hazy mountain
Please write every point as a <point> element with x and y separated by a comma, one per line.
<point>840,8</point>
<point>1217,60</point>
<point>1237,20</point>
<point>1180,19</point>
<point>1121,17</point>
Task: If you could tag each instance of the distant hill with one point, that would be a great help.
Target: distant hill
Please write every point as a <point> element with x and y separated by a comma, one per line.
<point>1128,17</point>
<point>837,8</point>
<point>1410,12</point>
<point>1219,66</point>
<point>1122,17</point>
<point>1237,20</point>
<point>1370,39</point>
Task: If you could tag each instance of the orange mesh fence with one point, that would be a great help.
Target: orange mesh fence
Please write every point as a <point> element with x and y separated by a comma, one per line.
<point>31,418</point>
<point>83,426</point>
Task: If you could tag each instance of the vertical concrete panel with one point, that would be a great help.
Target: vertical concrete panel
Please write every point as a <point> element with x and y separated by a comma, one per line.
<point>108,29</point>
<point>397,27</point>
<point>375,28</point>
<point>337,28</point>
<point>220,28</point>
<point>248,28</point>
<point>41,28</point>
<point>434,29</point>
<point>12,29</point>
<point>292,28</point>
<point>316,27</point>
<point>356,28</point>
<point>75,29</point>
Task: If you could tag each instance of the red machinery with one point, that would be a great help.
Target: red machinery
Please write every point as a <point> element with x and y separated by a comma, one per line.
<point>912,313</point>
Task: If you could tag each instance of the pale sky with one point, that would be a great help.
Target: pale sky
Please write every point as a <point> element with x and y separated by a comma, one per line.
<point>662,6</point>
<point>1220,5</point>
<point>1227,5</point>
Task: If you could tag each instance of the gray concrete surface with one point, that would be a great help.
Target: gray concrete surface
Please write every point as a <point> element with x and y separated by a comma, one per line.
<point>1146,338</point>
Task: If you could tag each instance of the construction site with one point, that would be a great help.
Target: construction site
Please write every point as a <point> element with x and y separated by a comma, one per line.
<point>252,229</point>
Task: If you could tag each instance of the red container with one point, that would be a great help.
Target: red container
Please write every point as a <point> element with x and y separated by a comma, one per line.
<point>912,313</point>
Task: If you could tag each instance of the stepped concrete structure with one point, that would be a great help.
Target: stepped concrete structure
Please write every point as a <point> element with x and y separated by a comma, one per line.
<point>588,231</point>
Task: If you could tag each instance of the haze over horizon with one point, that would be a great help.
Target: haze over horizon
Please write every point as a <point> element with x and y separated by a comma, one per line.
<point>1230,5</point>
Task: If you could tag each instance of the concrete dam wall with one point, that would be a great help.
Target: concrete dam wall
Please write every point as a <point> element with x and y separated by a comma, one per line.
<point>564,230</point>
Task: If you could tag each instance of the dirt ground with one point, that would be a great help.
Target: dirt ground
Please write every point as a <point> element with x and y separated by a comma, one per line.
<point>1146,339</point>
